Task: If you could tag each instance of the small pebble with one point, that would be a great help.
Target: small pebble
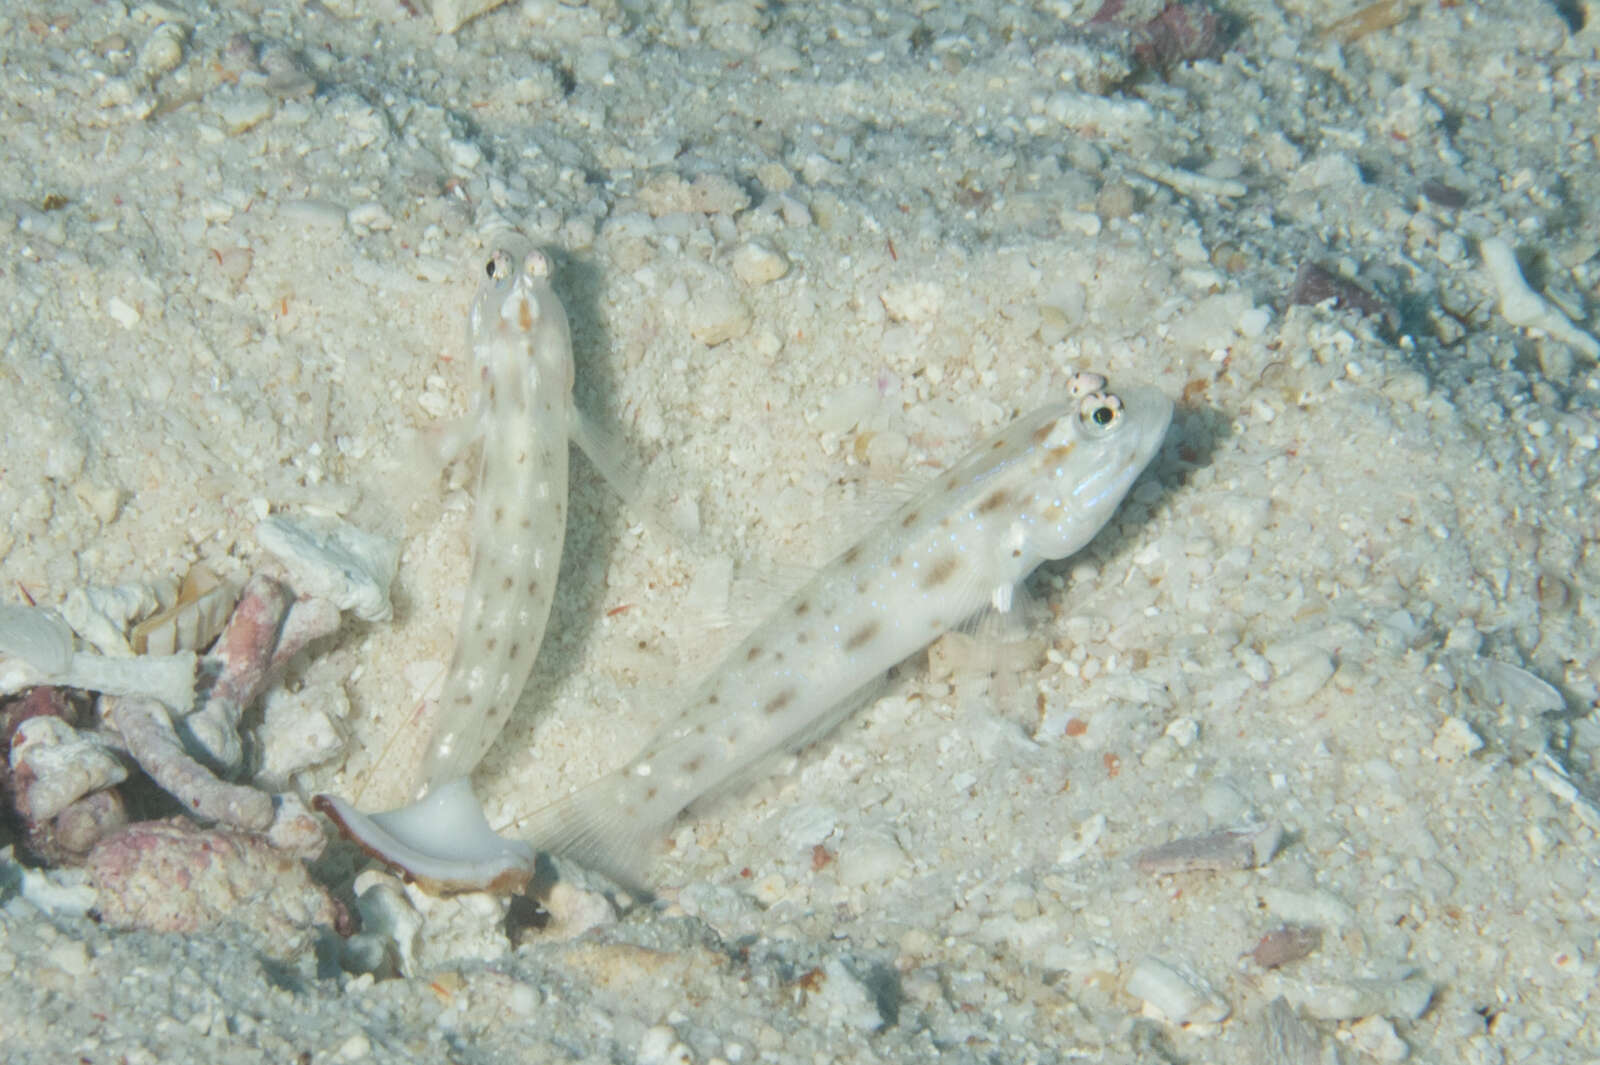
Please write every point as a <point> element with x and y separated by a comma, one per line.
<point>1455,740</point>
<point>1284,945</point>
<point>869,858</point>
<point>387,914</point>
<point>1376,1038</point>
<point>717,315</point>
<point>162,51</point>
<point>240,108</point>
<point>1444,195</point>
<point>842,999</point>
<point>575,908</point>
<point>286,76</point>
<point>756,263</point>
<point>660,1046</point>
<point>1302,679</point>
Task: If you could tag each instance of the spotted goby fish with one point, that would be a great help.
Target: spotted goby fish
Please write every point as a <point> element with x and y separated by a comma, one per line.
<point>524,416</point>
<point>1039,490</point>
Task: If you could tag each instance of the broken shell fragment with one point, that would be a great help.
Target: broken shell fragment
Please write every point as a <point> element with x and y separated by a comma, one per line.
<point>100,614</point>
<point>333,559</point>
<point>1232,848</point>
<point>1180,997</point>
<point>192,622</point>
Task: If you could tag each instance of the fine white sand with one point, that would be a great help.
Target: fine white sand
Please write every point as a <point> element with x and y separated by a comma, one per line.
<point>812,253</point>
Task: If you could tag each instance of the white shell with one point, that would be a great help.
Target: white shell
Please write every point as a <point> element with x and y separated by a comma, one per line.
<point>37,636</point>
<point>193,622</point>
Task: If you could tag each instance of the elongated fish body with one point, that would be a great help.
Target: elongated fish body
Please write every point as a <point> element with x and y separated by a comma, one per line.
<point>1039,490</point>
<point>522,350</point>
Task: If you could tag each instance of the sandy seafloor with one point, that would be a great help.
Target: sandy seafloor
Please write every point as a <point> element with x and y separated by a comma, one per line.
<point>234,280</point>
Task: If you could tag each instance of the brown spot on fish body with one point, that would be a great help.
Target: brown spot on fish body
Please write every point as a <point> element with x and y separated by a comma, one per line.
<point>525,316</point>
<point>692,765</point>
<point>778,702</point>
<point>801,608</point>
<point>862,636</point>
<point>1041,434</point>
<point>490,644</point>
<point>997,499</point>
<point>508,583</point>
<point>499,515</point>
<point>650,792</point>
<point>852,556</point>
<point>941,571</point>
<point>1059,455</point>
<point>533,587</point>
<point>516,650</point>
<point>910,519</point>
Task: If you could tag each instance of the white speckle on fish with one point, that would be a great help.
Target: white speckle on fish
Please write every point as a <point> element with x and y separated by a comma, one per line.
<point>522,350</point>
<point>1039,490</point>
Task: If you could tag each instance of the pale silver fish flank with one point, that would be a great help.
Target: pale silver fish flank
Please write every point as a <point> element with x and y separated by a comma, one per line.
<point>1039,490</point>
